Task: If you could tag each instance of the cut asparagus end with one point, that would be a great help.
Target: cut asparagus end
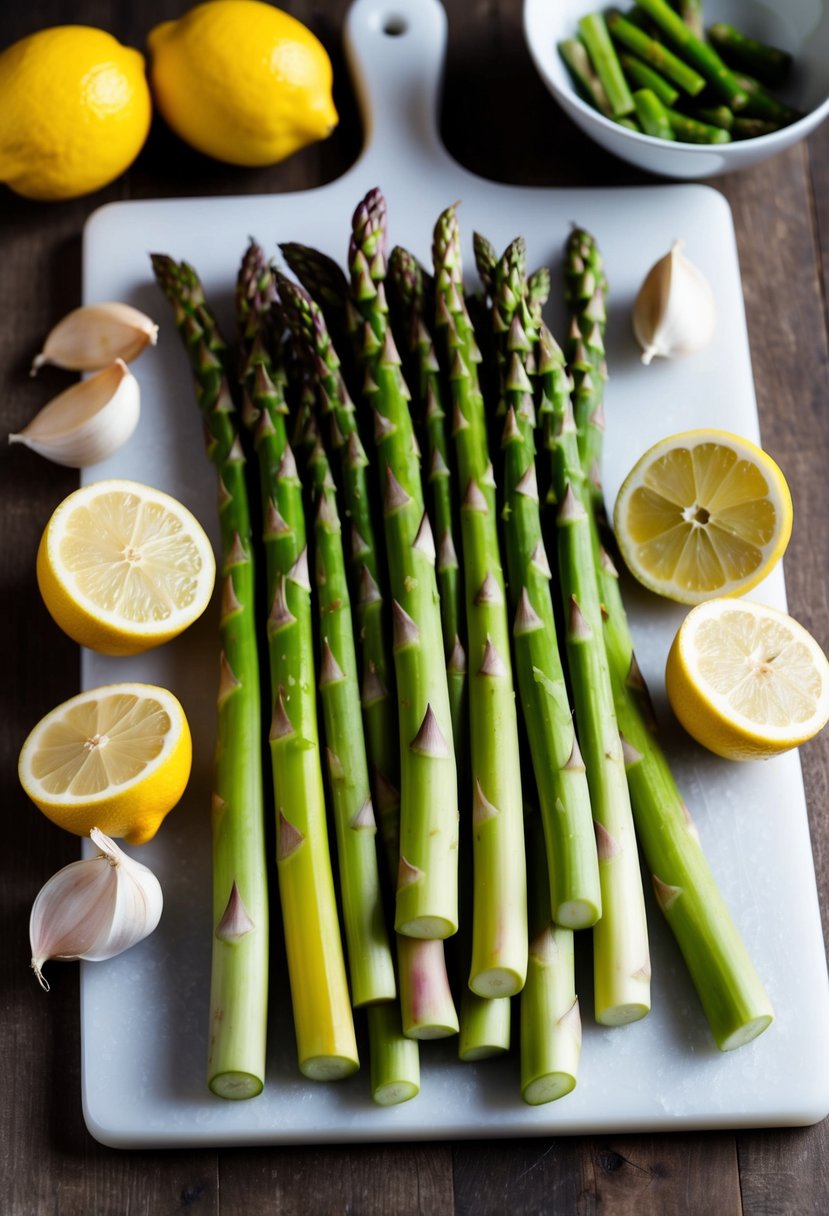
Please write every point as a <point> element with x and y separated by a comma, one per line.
<point>746,1033</point>
<point>485,1027</point>
<point>328,1068</point>
<point>548,1088</point>
<point>235,1086</point>
<point>577,913</point>
<point>497,981</point>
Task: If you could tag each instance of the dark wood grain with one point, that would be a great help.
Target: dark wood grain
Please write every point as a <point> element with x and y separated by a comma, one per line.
<point>48,1161</point>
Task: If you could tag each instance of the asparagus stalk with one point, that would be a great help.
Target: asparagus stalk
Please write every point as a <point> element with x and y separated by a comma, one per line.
<point>751,128</point>
<point>652,114</point>
<point>370,962</point>
<point>239,967</point>
<point>691,131</point>
<point>427,884</point>
<point>377,676</point>
<point>731,993</point>
<point>395,1060</point>
<point>621,961</point>
<point>761,103</point>
<point>575,894</point>
<point>691,13</point>
<point>716,116</point>
<point>585,77</point>
<point>654,53</point>
<point>646,77</point>
<point>499,932</point>
<point>550,1031</point>
<point>697,52</point>
<point>595,36</point>
<point>326,1044</point>
<point>769,64</point>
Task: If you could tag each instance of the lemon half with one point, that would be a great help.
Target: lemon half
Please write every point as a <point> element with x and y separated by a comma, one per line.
<point>123,567</point>
<point>117,758</point>
<point>747,681</point>
<point>702,514</point>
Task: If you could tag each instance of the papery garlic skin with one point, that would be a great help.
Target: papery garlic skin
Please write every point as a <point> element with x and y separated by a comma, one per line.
<point>88,422</point>
<point>94,909</point>
<point>92,337</point>
<point>674,313</point>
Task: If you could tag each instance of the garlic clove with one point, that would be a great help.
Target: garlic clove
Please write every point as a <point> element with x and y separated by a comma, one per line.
<point>674,313</point>
<point>87,422</point>
<point>91,337</point>
<point>94,909</point>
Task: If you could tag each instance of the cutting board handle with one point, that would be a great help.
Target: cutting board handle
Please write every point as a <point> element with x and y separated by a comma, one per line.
<point>396,49</point>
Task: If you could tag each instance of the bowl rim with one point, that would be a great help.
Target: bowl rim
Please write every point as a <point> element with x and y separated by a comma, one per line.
<point>808,121</point>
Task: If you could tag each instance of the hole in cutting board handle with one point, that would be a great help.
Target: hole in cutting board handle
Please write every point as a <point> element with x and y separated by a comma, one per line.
<point>394,26</point>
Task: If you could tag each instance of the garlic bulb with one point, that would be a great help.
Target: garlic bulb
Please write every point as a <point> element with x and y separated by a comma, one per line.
<point>94,909</point>
<point>674,313</point>
<point>87,422</point>
<point>91,337</point>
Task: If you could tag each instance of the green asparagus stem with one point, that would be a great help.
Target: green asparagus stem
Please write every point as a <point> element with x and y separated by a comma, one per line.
<point>716,116</point>
<point>427,885</point>
<point>426,1004</point>
<point>323,1022</point>
<point>690,131</point>
<point>406,279</point>
<point>761,103</point>
<point>595,36</point>
<point>584,76</point>
<point>575,894</point>
<point>395,1060</point>
<point>691,13</point>
<point>621,961</point>
<point>499,946</point>
<point>370,962</point>
<point>239,968</point>
<point>550,1032</point>
<point>697,52</point>
<point>732,995</point>
<point>630,124</point>
<point>377,675</point>
<point>724,976</point>
<point>585,288</point>
<point>652,114</point>
<point>768,64</point>
<point>655,54</point>
<point>645,77</point>
<point>751,128</point>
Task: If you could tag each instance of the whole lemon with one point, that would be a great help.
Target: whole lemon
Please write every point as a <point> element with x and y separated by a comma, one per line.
<point>242,81</point>
<point>75,110</point>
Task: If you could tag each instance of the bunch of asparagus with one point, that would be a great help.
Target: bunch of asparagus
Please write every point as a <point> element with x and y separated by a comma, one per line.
<point>433,542</point>
<point>656,70</point>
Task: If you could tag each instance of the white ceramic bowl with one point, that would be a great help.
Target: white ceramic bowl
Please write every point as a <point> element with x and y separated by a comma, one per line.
<point>799,26</point>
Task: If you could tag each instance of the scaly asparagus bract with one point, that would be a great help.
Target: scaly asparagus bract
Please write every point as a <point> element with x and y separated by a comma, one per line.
<point>239,967</point>
<point>499,932</point>
<point>326,1044</point>
<point>427,884</point>
<point>575,893</point>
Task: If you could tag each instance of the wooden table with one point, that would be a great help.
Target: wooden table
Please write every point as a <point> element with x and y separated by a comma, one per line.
<point>499,121</point>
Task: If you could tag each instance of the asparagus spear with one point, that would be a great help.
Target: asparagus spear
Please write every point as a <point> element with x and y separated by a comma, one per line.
<point>427,885</point>
<point>654,53</point>
<point>646,77</point>
<point>621,962</point>
<point>550,1033</point>
<point>729,988</point>
<point>751,128</point>
<point>761,103</point>
<point>323,1022</point>
<point>716,116</point>
<point>769,64</point>
<point>377,676</point>
<point>585,77</point>
<point>239,968</point>
<point>595,36</point>
<point>575,895</point>
<point>652,114</point>
<point>697,52</point>
<point>499,946</point>
<point>691,131</point>
<point>370,962</point>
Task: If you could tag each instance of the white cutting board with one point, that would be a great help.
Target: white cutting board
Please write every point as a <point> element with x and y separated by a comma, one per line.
<point>144,1015</point>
